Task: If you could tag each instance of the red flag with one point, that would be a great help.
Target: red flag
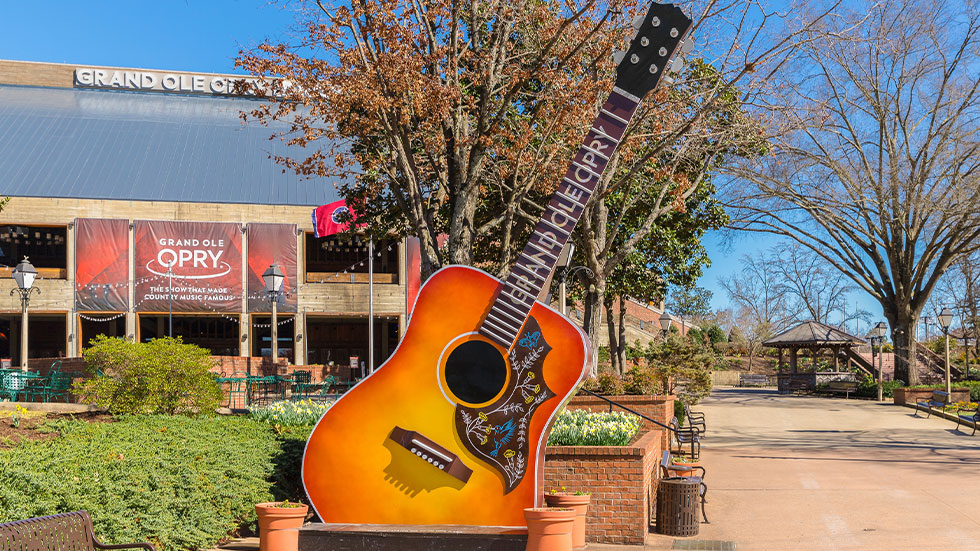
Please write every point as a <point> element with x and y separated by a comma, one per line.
<point>326,219</point>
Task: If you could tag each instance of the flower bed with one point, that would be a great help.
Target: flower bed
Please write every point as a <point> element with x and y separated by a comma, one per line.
<point>588,428</point>
<point>303,412</point>
<point>654,406</point>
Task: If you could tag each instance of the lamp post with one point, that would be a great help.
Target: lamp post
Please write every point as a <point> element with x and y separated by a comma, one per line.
<point>945,319</point>
<point>24,274</point>
<point>877,336</point>
<point>273,278</point>
<point>561,288</point>
<point>665,321</point>
<point>170,298</point>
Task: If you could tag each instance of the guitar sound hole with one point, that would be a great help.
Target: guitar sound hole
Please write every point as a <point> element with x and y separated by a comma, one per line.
<point>475,372</point>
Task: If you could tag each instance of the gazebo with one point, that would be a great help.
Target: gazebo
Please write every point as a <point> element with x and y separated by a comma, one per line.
<point>815,336</point>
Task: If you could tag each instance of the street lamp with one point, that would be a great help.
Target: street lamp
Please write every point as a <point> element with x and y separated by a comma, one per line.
<point>946,318</point>
<point>877,336</point>
<point>561,288</point>
<point>665,321</point>
<point>273,278</point>
<point>24,274</point>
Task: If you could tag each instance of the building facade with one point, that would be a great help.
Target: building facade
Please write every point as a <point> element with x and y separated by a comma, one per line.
<point>149,208</point>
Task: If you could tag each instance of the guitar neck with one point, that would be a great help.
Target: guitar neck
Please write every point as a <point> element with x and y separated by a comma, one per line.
<point>537,261</point>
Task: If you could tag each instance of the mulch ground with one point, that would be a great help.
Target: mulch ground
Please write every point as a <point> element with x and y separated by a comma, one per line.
<point>31,425</point>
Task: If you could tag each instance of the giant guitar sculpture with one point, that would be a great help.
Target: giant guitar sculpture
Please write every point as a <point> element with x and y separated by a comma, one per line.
<point>451,429</point>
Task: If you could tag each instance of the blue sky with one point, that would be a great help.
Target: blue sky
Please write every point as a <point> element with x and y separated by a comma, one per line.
<point>205,36</point>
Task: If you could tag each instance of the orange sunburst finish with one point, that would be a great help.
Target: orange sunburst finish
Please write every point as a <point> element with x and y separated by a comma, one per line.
<point>352,471</point>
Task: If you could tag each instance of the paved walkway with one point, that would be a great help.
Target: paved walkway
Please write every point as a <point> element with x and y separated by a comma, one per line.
<point>795,473</point>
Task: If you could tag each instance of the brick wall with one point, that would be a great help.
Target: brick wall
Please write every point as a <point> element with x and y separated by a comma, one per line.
<point>68,365</point>
<point>620,479</point>
<point>659,408</point>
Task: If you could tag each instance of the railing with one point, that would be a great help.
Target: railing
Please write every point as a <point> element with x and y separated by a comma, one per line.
<point>692,434</point>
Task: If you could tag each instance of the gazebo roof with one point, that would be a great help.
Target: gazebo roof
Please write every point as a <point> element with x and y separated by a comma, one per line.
<point>812,334</point>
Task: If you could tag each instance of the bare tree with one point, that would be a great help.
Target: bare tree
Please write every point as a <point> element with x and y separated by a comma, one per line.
<point>763,303</point>
<point>819,289</point>
<point>960,289</point>
<point>876,153</point>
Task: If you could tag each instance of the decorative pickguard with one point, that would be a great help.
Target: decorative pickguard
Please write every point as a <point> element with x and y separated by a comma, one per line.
<point>498,433</point>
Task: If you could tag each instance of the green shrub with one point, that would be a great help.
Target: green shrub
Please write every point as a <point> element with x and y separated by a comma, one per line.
<point>606,383</point>
<point>179,482</point>
<point>679,412</point>
<point>285,413</point>
<point>640,380</point>
<point>587,428</point>
<point>160,376</point>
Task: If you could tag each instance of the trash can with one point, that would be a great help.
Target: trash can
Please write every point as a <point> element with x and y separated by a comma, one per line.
<point>677,506</point>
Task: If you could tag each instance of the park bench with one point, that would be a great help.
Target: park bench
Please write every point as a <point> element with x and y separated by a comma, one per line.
<point>695,419</point>
<point>839,387</point>
<point>940,399</point>
<point>752,379</point>
<point>686,436</point>
<point>669,470</point>
<point>55,533</point>
<point>799,386</point>
<point>975,419</point>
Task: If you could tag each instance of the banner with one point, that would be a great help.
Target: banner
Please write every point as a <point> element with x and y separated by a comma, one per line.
<point>101,265</point>
<point>268,243</point>
<point>206,262</point>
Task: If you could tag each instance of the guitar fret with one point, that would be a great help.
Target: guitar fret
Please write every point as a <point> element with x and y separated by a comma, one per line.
<point>531,283</point>
<point>517,299</point>
<point>604,135</point>
<point>503,313</point>
<point>570,199</point>
<point>505,341</point>
<point>535,245</point>
<point>587,148</point>
<point>557,244</point>
<point>587,169</point>
<point>612,116</point>
<point>502,324</point>
<point>576,184</point>
<point>536,261</point>
<point>512,307</point>
<point>567,232</point>
<point>502,330</point>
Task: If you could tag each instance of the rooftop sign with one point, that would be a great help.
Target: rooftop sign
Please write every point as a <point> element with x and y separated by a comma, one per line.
<point>188,83</point>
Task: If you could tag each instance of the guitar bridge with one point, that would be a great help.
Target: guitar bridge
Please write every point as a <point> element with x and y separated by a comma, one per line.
<point>432,453</point>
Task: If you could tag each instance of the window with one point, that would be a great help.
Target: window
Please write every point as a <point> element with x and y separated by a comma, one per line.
<point>326,257</point>
<point>45,247</point>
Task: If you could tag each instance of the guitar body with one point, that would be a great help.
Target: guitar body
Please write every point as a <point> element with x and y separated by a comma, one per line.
<point>356,471</point>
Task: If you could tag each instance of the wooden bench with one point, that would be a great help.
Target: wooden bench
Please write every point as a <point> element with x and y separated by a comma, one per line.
<point>839,387</point>
<point>55,533</point>
<point>752,379</point>
<point>940,399</point>
<point>669,470</point>
<point>975,419</point>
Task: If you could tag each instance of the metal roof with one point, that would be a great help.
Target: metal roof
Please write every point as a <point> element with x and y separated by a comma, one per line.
<point>812,333</point>
<point>97,144</point>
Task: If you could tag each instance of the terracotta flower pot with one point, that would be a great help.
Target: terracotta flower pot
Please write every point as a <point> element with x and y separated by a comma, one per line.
<point>278,526</point>
<point>579,504</point>
<point>549,528</point>
<point>684,468</point>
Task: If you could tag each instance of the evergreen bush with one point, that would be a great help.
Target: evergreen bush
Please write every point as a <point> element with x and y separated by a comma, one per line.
<point>162,376</point>
<point>181,483</point>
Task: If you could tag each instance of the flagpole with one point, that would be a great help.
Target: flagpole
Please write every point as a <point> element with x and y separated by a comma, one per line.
<point>371,305</point>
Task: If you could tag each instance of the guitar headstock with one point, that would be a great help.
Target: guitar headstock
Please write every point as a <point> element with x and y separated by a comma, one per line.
<point>648,59</point>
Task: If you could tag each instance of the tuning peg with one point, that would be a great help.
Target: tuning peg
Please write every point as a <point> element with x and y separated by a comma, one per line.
<point>687,47</point>
<point>677,65</point>
<point>618,56</point>
<point>638,22</point>
<point>666,79</point>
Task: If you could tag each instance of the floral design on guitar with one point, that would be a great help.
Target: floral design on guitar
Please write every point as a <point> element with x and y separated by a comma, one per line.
<point>498,433</point>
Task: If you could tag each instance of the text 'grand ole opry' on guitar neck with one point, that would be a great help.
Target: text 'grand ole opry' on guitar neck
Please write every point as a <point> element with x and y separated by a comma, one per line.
<point>452,428</point>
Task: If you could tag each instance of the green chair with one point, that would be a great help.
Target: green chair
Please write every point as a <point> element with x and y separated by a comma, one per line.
<point>58,385</point>
<point>301,384</point>
<point>8,388</point>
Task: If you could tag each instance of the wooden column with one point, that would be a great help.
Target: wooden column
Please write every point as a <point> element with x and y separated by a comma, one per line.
<point>793,353</point>
<point>836,350</point>
<point>779,366</point>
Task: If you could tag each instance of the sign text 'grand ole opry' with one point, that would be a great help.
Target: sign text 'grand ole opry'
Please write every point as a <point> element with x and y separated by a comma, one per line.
<point>142,200</point>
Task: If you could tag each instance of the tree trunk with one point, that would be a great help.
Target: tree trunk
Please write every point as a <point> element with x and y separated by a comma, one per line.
<point>592,318</point>
<point>903,336</point>
<point>614,352</point>
<point>622,333</point>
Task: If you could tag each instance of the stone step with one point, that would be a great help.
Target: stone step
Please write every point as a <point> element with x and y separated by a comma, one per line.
<point>388,537</point>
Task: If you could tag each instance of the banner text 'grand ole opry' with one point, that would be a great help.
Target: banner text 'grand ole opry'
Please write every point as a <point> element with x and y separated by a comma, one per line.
<point>142,200</point>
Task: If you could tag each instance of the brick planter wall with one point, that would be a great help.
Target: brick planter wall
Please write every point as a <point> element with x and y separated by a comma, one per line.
<point>620,481</point>
<point>660,408</point>
<point>904,396</point>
